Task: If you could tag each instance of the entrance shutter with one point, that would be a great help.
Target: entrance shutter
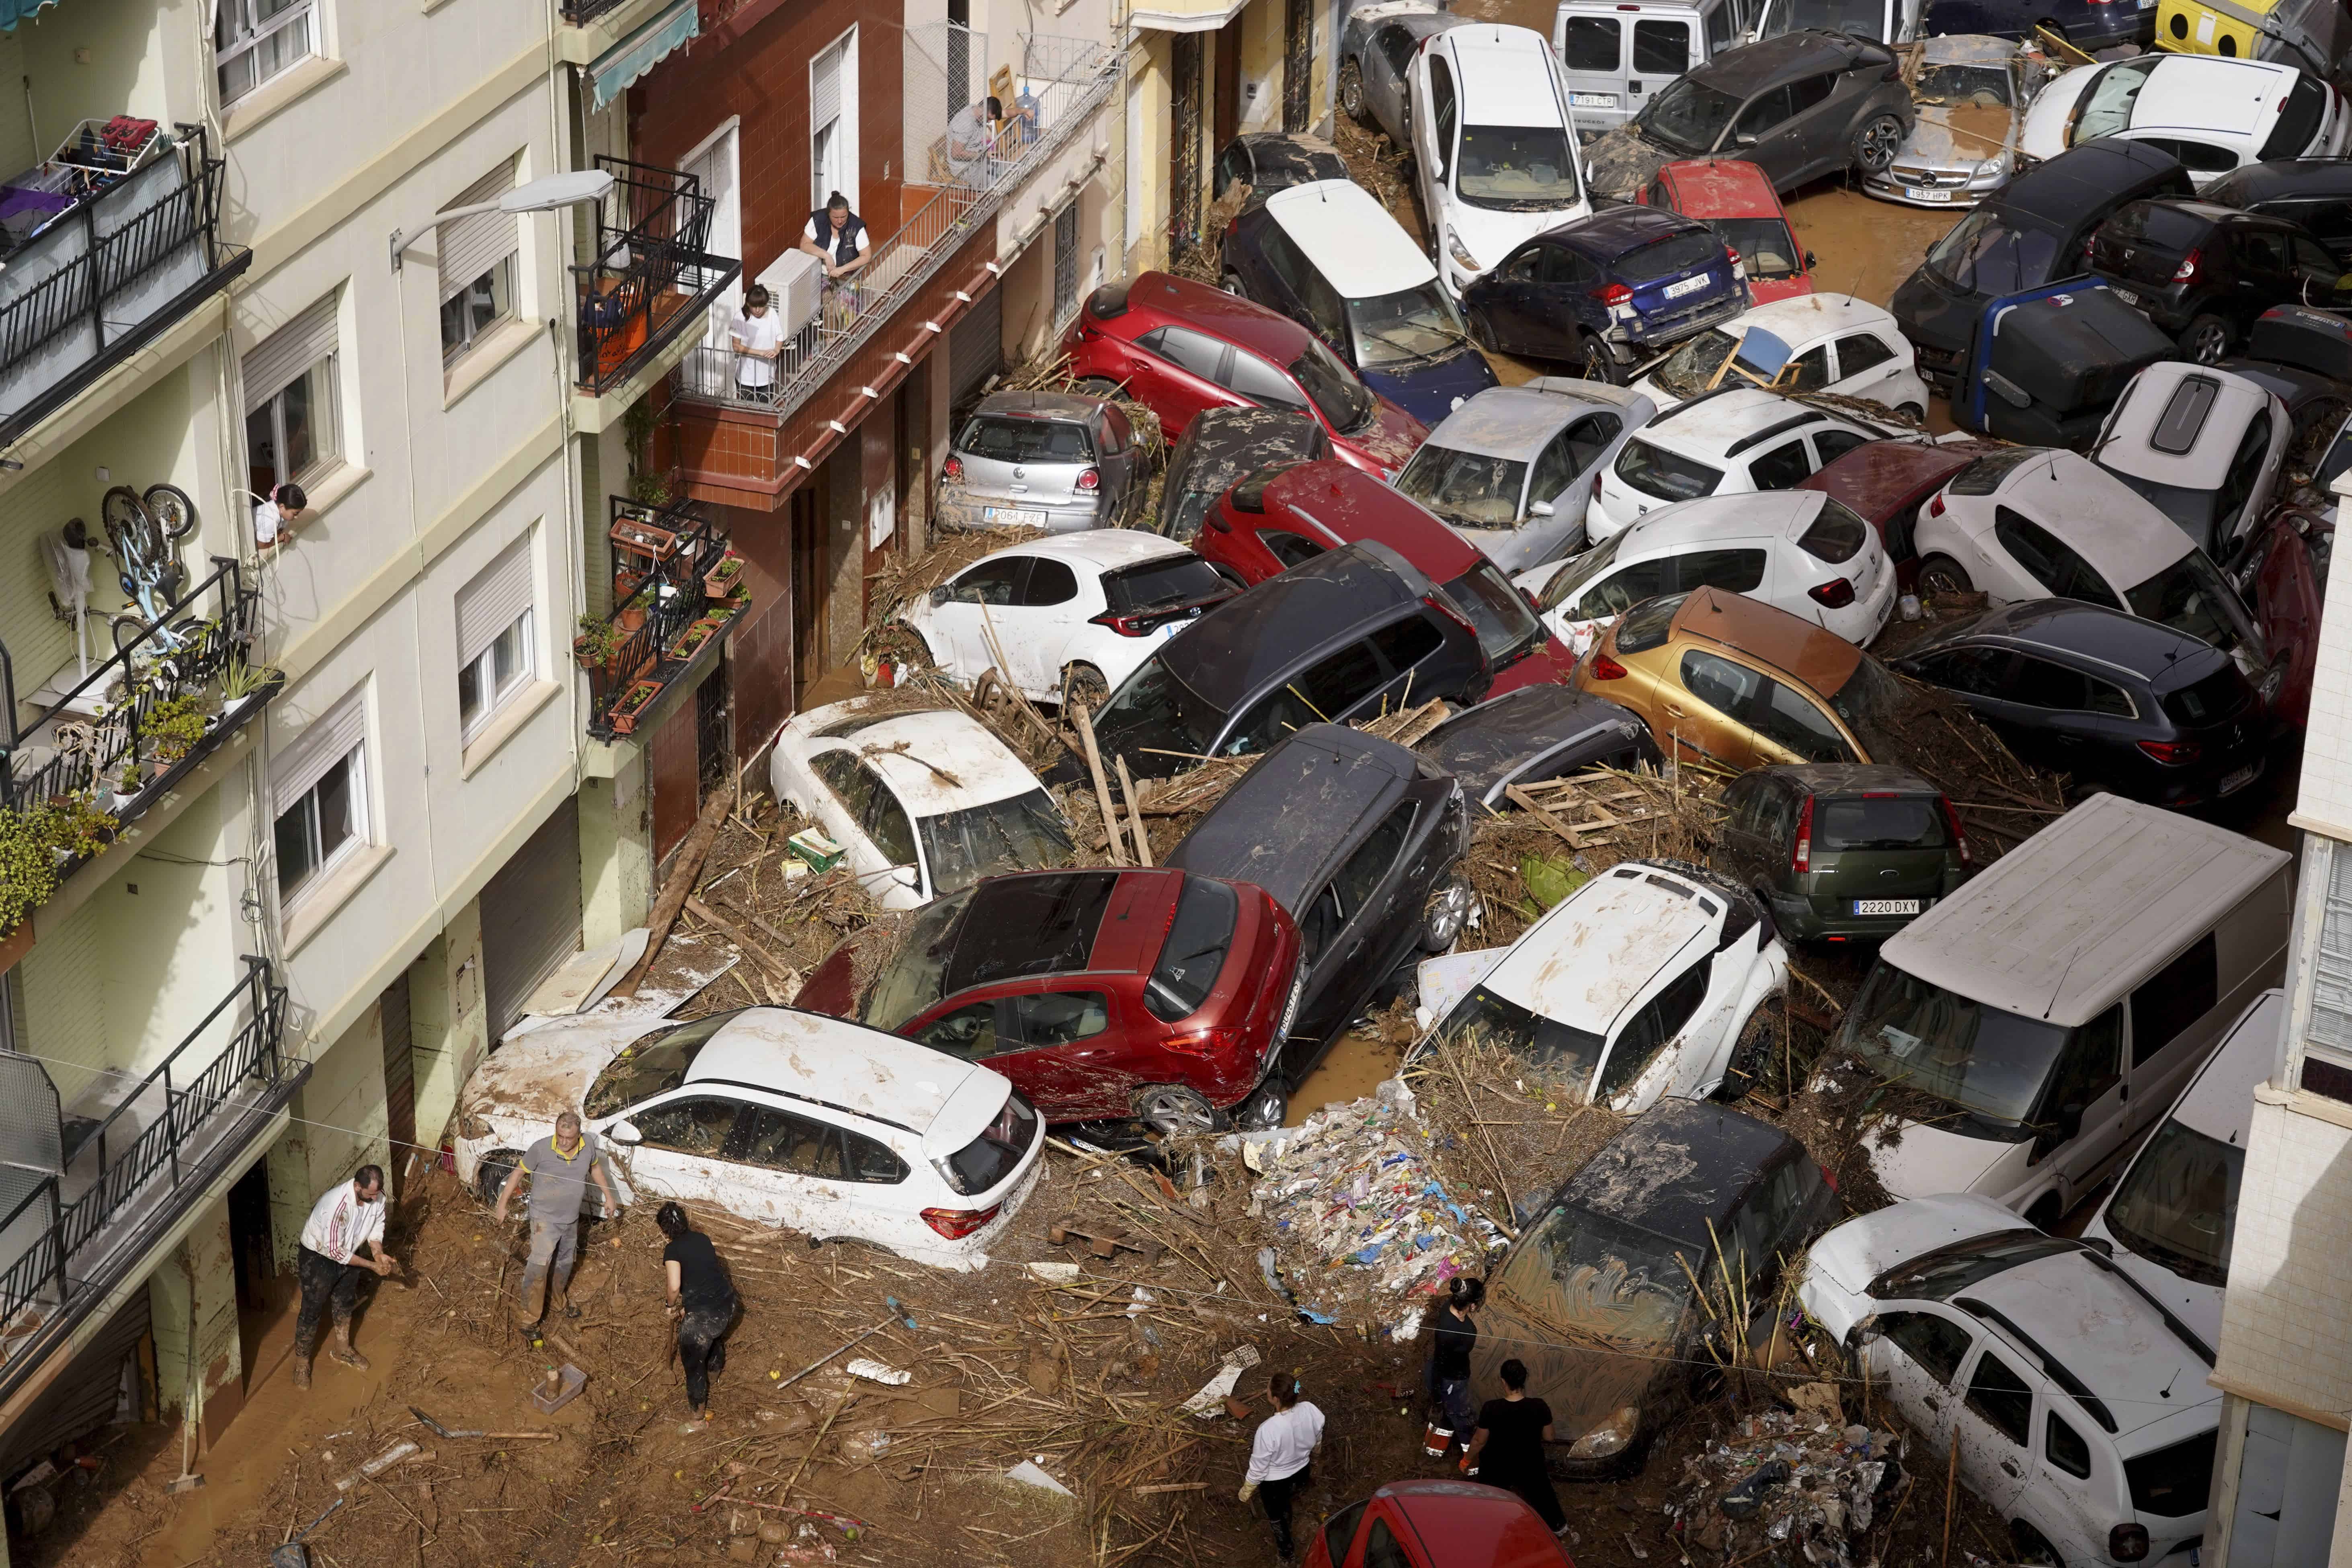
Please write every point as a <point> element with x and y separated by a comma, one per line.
<point>399,1080</point>
<point>976,346</point>
<point>530,916</point>
<point>88,1395</point>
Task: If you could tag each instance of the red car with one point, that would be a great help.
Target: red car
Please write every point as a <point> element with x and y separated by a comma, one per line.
<point>1886,483</point>
<point>2286,562</point>
<point>1735,199</point>
<point>1277,518</point>
<point>1436,1524</point>
<point>1179,347</point>
<point>1100,993</point>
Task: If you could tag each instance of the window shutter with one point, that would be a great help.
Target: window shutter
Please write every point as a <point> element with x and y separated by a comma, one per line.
<point>286,354</point>
<point>327,741</point>
<point>488,604</point>
<point>472,246</point>
<point>824,88</point>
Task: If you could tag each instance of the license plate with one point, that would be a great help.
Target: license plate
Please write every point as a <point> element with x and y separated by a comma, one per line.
<point>1592,101</point>
<point>2233,783</point>
<point>1886,906</point>
<point>1014,516</point>
<point>1933,196</point>
<point>1687,286</point>
<point>2126,295</point>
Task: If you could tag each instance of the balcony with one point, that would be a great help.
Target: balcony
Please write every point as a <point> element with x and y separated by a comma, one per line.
<point>89,1190</point>
<point>131,246</point>
<point>647,298</point>
<point>676,589</point>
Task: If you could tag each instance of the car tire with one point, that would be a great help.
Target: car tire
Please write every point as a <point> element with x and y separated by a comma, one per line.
<point>492,1173</point>
<point>2028,1544</point>
<point>1748,1051</point>
<point>1480,337</point>
<point>1942,574</point>
<point>1084,683</point>
<point>1351,90</point>
<point>1171,1107</point>
<point>1265,1107</point>
<point>1099,386</point>
<point>1231,284</point>
<point>1599,364</point>
<point>2207,340</point>
<point>1912,411</point>
<point>1446,915</point>
<point>1878,141</point>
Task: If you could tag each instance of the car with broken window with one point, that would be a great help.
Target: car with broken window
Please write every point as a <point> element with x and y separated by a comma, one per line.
<point>1271,161</point>
<point>786,1118</point>
<point>1532,736</point>
<point>1436,1524</point>
<point>2074,1403</point>
<point>1836,344</point>
<point>1103,994</point>
<point>1971,93</point>
<point>1596,1297</point>
<point>1642,984</point>
<point>2206,447</point>
<point>1839,852</point>
<point>921,803</point>
<point>1220,447</point>
<point>1512,470</point>
<point>1053,460</point>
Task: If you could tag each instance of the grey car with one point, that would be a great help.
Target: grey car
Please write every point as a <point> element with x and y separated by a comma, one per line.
<point>1513,468</point>
<point>1970,90</point>
<point>1056,460</point>
<point>1374,51</point>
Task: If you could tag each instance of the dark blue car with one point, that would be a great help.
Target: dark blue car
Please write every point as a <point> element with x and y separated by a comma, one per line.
<point>1329,256</point>
<point>1608,291</point>
<point>2087,24</point>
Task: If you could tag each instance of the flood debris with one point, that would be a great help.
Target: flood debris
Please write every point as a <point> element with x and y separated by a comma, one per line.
<point>1799,1481</point>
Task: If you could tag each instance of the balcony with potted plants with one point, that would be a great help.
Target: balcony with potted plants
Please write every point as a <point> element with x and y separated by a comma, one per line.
<point>677,589</point>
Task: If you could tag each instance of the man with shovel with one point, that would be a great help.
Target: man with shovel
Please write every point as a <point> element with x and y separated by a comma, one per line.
<point>560,1169</point>
<point>348,1217</point>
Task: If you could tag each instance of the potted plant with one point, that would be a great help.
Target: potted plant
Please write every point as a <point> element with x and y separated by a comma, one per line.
<point>242,683</point>
<point>689,641</point>
<point>719,581</point>
<point>28,873</point>
<point>173,727</point>
<point>129,782</point>
<point>597,644</point>
<point>80,827</point>
<point>633,704</point>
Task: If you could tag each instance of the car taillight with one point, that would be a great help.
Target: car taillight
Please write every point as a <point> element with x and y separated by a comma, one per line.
<point>2173,753</point>
<point>957,1224</point>
<point>1089,478</point>
<point>2188,268</point>
<point>1613,294</point>
<point>2128,1542</point>
<point>1836,594</point>
<point>1444,604</point>
<point>1606,668</point>
<point>951,471</point>
<point>1207,1043</point>
<point>1830,1177</point>
<point>1800,860</point>
<point>1936,504</point>
<point>1952,821</point>
<point>1127,625</point>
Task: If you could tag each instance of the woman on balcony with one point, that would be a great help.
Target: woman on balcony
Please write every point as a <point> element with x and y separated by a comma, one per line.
<point>836,237</point>
<point>759,339</point>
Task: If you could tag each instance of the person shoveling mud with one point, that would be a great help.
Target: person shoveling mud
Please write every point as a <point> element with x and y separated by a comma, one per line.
<point>346,1217</point>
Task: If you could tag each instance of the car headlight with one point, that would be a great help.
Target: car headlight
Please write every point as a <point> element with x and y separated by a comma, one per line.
<point>1461,257</point>
<point>1608,1438</point>
<point>1988,168</point>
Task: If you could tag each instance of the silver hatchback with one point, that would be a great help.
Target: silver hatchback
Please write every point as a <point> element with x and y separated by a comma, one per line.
<point>1053,460</point>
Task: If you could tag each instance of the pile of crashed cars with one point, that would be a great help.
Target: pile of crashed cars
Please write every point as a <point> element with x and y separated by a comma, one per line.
<point>1678,547</point>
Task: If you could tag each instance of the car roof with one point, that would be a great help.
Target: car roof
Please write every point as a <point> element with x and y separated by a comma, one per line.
<point>1880,480</point>
<point>1786,57</point>
<point>2102,1332</point>
<point>2282,178</point>
<point>2108,522</point>
<point>1297,811</point>
<point>816,1056</point>
<point>1676,1166</point>
<point>1351,238</point>
<point>1967,48</point>
<point>1801,318</point>
<point>1040,405</point>
<point>1481,745</point>
<point>2209,92</point>
<point>1517,421</point>
<point>1026,925</point>
<point>1248,438</point>
<point>1291,148</point>
<point>2129,444</point>
<point>1725,188</point>
<point>1506,72</point>
<point>1104,549</point>
<point>2292,384</point>
<point>1613,231</point>
<point>1220,314</point>
<point>1352,505</point>
<point>1229,654</point>
<point>942,760</point>
<point>1465,1521</point>
<point>2080,186</point>
<point>1592,955</point>
<point>2078,914</point>
<point>1851,778</point>
<point>1819,658</point>
<point>1781,514</point>
<point>2155,652</point>
<point>1711,423</point>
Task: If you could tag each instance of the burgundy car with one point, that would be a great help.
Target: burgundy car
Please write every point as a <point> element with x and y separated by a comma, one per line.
<point>1100,993</point>
<point>2285,568</point>
<point>1279,517</point>
<point>1179,347</point>
<point>1886,483</point>
<point>1437,1524</point>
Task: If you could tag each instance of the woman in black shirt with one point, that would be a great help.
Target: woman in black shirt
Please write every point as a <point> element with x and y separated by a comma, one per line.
<point>701,1298</point>
<point>1508,1451</point>
<point>1453,1335</point>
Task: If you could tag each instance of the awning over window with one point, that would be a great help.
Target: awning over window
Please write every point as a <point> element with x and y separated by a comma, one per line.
<point>630,58</point>
<point>14,11</point>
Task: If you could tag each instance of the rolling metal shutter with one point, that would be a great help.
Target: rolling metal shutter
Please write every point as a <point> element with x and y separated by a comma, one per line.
<point>87,1394</point>
<point>472,246</point>
<point>976,345</point>
<point>530,916</point>
<point>289,352</point>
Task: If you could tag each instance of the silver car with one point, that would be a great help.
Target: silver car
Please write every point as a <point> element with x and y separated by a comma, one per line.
<point>1970,92</point>
<point>1513,468</point>
<point>1374,51</point>
<point>1055,460</point>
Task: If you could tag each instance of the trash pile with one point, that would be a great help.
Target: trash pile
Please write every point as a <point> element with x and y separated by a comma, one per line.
<point>1363,1230</point>
<point>1805,1483</point>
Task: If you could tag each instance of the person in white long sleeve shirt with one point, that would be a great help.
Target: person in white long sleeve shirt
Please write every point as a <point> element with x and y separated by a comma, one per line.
<point>1282,1455</point>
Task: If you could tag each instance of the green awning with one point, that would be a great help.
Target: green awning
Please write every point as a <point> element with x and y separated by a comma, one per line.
<point>14,11</point>
<point>625,62</point>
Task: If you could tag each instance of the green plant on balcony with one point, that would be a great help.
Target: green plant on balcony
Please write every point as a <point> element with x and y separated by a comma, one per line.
<point>242,680</point>
<point>79,826</point>
<point>174,726</point>
<point>28,871</point>
<point>598,643</point>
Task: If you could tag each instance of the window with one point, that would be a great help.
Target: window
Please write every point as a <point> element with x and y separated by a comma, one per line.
<point>495,654</point>
<point>1835,444</point>
<point>1441,96</point>
<point>1661,48</point>
<point>2065,1447</point>
<point>1058,1017</point>
<point>782,1142</point>
<point>1813,89</point>
<point>968,1032</point>
<point>1719,22</point>
<point>1934,1344</point>
<point>321,796</point>
<point>1862,351</point>
<point>699,1124</point>
<point>1558,265</point>
<point>1834,535</point>
<point>1050,581</point>
<point>290,401</point>
<point>1979,671</point>
<point>1790,719</point>
<point>1263,385</point>
<point>2090,1065</point>
<point>1066,261</point>
<point>475,307</point>
<point>1808,372</point>
<point>1316,696</point>
<point>1359,879</point>
<point>253,40</point>
<point>1659,1020</point>
<point>1406,643</point>
<point>1781,467</point>
<point>477,271</point>
<point>1592,44</point>
<point>893,834</point>
<point>1615,594</point>
<point>1767,109</point>
<point>1290,549</point>
<point>1188,351</point>
<point>833,121</point>
<point>1733,570</point>
<point>990,583</point>
<point>873,1162</point>
<point>2039,683</point>
<point>2003,1397</point>
<point>1720,684</point>
<point>2173,1482</point>
<point>2050,563</point>
<point>1339,1530</point>
<point>2173,998</point>
<point>1396,46</point>
<point>850,783</point>
<point>1383,1550</point>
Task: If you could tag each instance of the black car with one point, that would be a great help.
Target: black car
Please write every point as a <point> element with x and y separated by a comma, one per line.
<point>1269,160</point>
<point>1358,838</point>
<point>2203,272</point>
<point>1607,290</point>
<point>1798,106</point>
<point>1221,447</point>
<point>1534,733</point>
<point>2031,232</point>
<point>2313,192</point>
<point>2058,363</point>
<point>1596,1297</point>
<point>1333,637</point>
<point>2086,23</point>
<point>2306,357</point>
<point>2115,701</point>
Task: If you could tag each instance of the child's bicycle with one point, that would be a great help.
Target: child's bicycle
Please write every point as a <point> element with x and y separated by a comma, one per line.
<point>144,533</point>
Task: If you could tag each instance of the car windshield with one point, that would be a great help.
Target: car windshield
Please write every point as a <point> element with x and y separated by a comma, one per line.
<point>1568,579</point>
<point>2178,1202</point>
<point>1665,475</point>
<point>1152,713</point>
<point>1160,584</point>
<point>1924,1038</point>
<point>1882,821</point>
<point>1690,369</point>
<point>911,978</point>
<point>1468,488</point>
<point>2105,108</point>
<point>1516,168</point>
<point>1342,398</point>
<point>2192,508</point>
<point>1863,18</point>
<point>1943,1273</point>
<point>1984,255</point>
<point>1870,699</point>
<point>1407,326</point>
<point>1485,1019</point>
<point>1763,243</point>
<point>2190,596</point>
<point>1022,833</point>
<point>1689,117</point>
<point>1504,621</point>
<point>651,1065</point>
<point>1194,954</point>
<point>1015,438</point>
<point>1583,1274</point>
<point>1959,87</point>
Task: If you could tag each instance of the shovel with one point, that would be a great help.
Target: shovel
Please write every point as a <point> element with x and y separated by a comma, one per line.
<point>440,1431</point>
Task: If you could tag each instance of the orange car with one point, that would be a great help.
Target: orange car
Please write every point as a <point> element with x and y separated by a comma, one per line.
<point>1721,677</point>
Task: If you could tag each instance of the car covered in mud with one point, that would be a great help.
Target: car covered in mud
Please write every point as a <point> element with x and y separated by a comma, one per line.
<point>786,1118</point>
<point>1222,447</point>
<point>1376,57</point>
<point>1102,994</point>
<point>1532,735</point>
<point>1596,1298</point>
<point>1836,344</point>
<point>1053,460</point>
<point>1970,91</point>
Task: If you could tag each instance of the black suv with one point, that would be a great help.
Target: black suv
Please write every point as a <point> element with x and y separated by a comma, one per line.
<point>2313,192</point>
<point>2203,272</point>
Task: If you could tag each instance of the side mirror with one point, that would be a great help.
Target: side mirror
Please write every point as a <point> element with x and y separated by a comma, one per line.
<point>623,1133</point>
<point>1744,138</point>
<point>2070,1119</point>
<point>1811,261</point>
<point>1540,508</point>
<point>906,876</point>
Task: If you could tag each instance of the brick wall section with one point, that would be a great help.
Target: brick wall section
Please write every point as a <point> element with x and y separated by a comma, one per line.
<point>2286,1320</point>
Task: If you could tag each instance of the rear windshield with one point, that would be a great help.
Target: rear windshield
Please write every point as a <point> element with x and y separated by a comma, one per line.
<point>1483,1019</point>
<point>1025,833</point>
<point>1836,534</point>
<point>2174,1482</point>
<point>1335,389</point>
<point>1664,258</point>
<point>1516,168</point>
<point>2188,596</point>
<point>1645,626</point>
<point>2209,702</point>
<point>2298,122</point>
<point>1194,953</point>
<point>1158,585</point>
<point>1882,821</point>
<point>1985,254</point>
<point>1764,243</point>
<point>1985,475</point>
<point>650,1065</point>
<point>987,1160</point>
<point>1689,116</point>
<point>2177,1205</point>
<point>1505,621</point>
<point>2158,224</point>
<point>1012,439</point>
<point>1468,488</point>
<point>2107,108</point>
<point>1654,471</point>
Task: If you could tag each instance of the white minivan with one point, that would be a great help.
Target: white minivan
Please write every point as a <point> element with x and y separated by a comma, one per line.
<point>1494,146</point>
<point>2042,1018</point>
<point>1617,57</point>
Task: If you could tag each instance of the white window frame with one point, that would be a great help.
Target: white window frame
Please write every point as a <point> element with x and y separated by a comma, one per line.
<point>249,32</point>
<point>847,120</point>
<point>326,426</point>
<point>493,695</point>
<point>353,761</point>
<point>501,280</point>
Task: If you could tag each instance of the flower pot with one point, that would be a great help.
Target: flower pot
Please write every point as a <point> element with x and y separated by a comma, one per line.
<point>719,581</point>
<point>631,620</point>
<point>18,943</point>
<point>690,641</point>
<point>120,802</point>
<point>644,538</point>
<point>633,702</point>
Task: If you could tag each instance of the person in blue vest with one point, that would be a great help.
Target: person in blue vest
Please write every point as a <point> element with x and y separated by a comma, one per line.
<point>836,236</point>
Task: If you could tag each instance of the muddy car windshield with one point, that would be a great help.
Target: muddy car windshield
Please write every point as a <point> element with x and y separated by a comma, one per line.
<point>1763,243</point>
<point>1689,117</point>
<point>1006,439</point>
<point>1516,168</point>
<point>1024,832</point>
<point>910,979</point>
<point>1154,712</point>
<point>1939,1042</point>
<point>1984,255</point>
<point>2107,107</point>
<point>1504,622</point>
<point>1485,1019</point>
<point>650,1065</point>
<point>1335,389</point>
<point>1468,488</point>
<point>2190,596</point>
<point>1944,1272</point>
<point>2178,1203</point>
<point>1666,476</point>
<point>1963,87</point>
<point>1587,1275</point>
<point>1406,327</point>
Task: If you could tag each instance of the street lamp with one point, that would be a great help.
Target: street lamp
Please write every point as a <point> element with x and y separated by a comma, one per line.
<point>553,193</point>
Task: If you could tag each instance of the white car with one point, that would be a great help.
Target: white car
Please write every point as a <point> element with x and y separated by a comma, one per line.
<point>1798,551</point>
<point>1494,146</point>
<point>2211,113</point>
<point>922,803</point>
<point>788,1119</point>
<point>2078,1406</point>
<point>1638,986</point>
<point>1079,611</point>
<point>1733,441</point>
<point>2203,445</point>
<point>2032,523</point>
<point>1837,343</point>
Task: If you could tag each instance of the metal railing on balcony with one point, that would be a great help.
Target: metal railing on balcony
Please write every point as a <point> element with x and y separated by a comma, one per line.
<point>122,1178</point>
<point>669,577</point>
<point>109,276</point>
<point>1061,83</point>
<point>652,278</point>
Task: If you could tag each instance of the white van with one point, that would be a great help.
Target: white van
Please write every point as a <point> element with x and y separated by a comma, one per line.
<point>2169,1220</point>
<point>1494,146</point>
<point>2042,1018</point>
<point>1617,57</point>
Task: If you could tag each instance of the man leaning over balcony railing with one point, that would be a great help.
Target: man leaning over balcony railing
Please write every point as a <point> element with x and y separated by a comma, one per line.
<point>346,1217</point>
<point>836,236</point>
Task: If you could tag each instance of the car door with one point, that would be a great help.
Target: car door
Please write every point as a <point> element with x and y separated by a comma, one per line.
<point>1323,692</point>
<point>1783,467</point>
<point>2082,1113</point>
<point>1032,634</point>
<point>1062,1037</point>
<point>1565,472</point>
<point>683,1137</point>
<point>1262,383</point>
<point>1865,366</point>
<point>2318,277</point>
<point>1589,37</point>
<point>792,1170</point>
<point>1662,50</point>
<point>2049,561</point>
<point>1829,444</point>
<point>1707,711</point>
<point>1180,372</point>
<point>1644,1061</point>
<point>2265,273</point>
<point>842,803</point>
<point>1993,1427</point>
<point>973,620</point>
<point>2172,1028</point>
<point>1120,463</point>
<point>1504,299</point>
<point>1565,282</point>
<point>1354,916</point>
<point>1753,136</point>
<point>1790,719</point>
<point>1384,66</point>
<point>1920,1351</point>
<point>1436,118</point>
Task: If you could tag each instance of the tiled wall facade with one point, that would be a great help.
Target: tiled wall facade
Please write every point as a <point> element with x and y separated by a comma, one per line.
<point>2287,1324</point>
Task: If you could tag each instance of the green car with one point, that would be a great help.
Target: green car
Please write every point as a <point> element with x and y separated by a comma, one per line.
<point>1840,852</point>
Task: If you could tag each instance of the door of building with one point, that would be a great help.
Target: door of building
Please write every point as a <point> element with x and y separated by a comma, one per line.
<point>812,586</point>
<point>975,351</point>
<point>1297,68</point>
<point>1184,144</point>
<point>1227,124</point>
<point>399,1082</point>
<point>670,775</point>
<point>530,916</point>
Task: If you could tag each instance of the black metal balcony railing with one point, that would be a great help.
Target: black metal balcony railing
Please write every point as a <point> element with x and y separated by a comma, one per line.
<point>653,281</point>
<point>133,1173</point>
<point>662,588</point>
<point>108,277</point>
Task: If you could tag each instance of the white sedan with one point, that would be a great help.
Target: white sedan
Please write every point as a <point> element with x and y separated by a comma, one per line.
<point>922,803</point>
<point>789,1119</point>
<point>1076,612</point>
<point>1836,344</point>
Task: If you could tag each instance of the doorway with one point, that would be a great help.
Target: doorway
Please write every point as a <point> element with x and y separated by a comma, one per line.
<point>812,591</point>
<point>1184,144</point>
<point>1227,124</point>
<point>1297,66</point>
<point>262,1296</point>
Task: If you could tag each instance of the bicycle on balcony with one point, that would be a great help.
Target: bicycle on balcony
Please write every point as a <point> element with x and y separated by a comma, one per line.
<point>144,533</point>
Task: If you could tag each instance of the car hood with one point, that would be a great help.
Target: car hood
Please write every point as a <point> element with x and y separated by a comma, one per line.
<point>1957,136</point>
<point>1621,161</point>
<point>1862,1250</point>
<point>970,1105</point>
<point>1933,313</point>
<point>1913,1160</point>
<point>1769,290</point>
<point>1429,390</point>
<point>1585,1379</point>
<point>1491,236</point>
<point>538,1075</point>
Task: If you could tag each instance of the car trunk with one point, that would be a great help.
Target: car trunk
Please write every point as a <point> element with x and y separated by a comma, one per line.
<point>1874,849</point>
<point>2146,243</point>
<point>1025,462</point>
<point>1670,277</point>
<point>2059,363</point>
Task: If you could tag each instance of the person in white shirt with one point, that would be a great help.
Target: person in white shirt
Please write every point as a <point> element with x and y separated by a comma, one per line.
<point>279,511</point>
<point>1282,1454</point>
<point>759,338</point>
<point>971,138</point>
<point>345,1218</point>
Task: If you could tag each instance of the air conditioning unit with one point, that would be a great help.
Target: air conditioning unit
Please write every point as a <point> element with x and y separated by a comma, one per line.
<point>795,285</point>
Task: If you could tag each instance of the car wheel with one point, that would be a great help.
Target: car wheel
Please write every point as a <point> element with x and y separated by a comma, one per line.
<point>2206,341</point>
<point>1876,144</point>
<point>1446,913</point>
<point>1084,683</point>
<point>1942,574</point>
<point>1912,411</point>
<point>1480,337</point>
<point>1170,1108</point>
<point>1099,386</point>
<point>1351,90</point>
<point>492,1173</point>
<point>2028,1544</point>
<point>1599,364</point>
<point>1231,284</point>
<point>1758,1033</point>
<point>1265,1107</point>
